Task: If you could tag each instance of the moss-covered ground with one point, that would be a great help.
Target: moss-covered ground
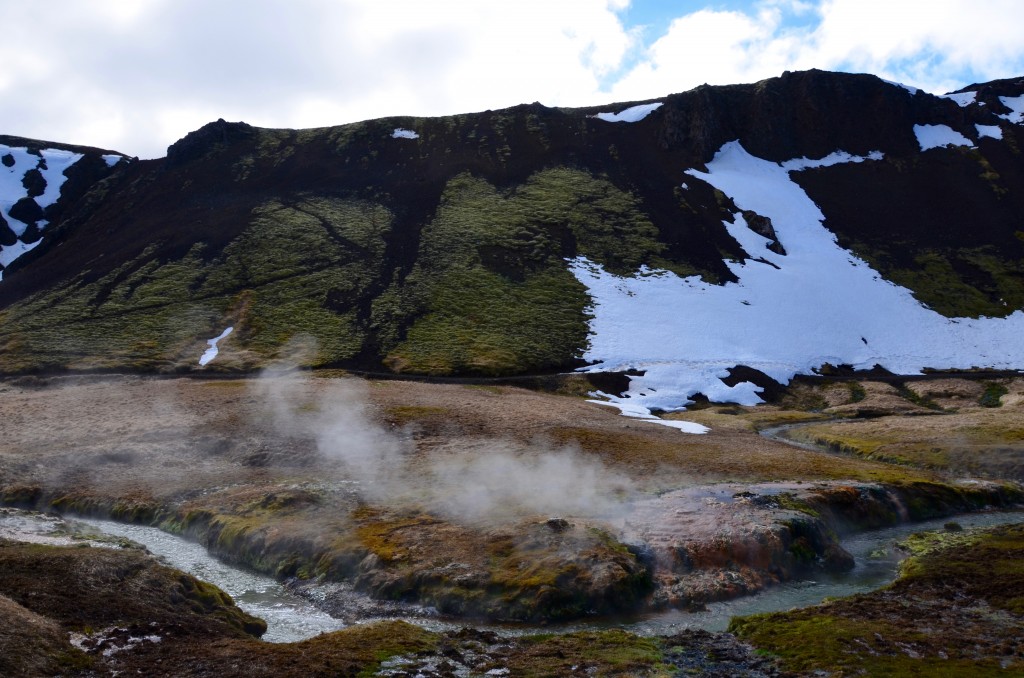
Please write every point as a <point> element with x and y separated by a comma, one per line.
<point>956,610</point>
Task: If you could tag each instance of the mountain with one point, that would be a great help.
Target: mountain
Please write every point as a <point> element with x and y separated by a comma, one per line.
<point>815,218</point>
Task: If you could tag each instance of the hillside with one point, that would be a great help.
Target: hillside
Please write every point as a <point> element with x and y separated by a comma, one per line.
<point>807,219</point>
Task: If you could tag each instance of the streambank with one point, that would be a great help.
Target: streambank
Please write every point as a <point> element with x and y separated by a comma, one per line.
<point>678,550</point>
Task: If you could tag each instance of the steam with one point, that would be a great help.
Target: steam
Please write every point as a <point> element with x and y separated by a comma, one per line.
<point>493,480</point>
<point>504,481</point>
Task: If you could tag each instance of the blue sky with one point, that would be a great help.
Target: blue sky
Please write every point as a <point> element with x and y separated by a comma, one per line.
<point>135,75</point>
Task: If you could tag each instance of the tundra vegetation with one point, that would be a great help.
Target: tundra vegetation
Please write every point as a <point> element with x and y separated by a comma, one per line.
<point>264,493</point>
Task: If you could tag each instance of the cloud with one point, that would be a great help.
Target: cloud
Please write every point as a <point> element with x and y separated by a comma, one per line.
<point>939,47</point>
<point>135,75</point>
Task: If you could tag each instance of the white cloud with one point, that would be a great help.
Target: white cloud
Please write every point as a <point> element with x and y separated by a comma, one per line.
<point>164,63</point>
<point>934,46</point>
<point>135,75</point>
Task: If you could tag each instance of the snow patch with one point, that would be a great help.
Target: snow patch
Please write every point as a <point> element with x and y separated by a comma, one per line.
<point>834,158</point>
<point>57,161</point>
<point>993,131</point>
<point>639,411</point>
<point>909,88</point>
<point>212,352</point>
<point>632,114</point>
<point>1016,106</point>
<point>962,99</point>
<point>400,133</point>
<point>12,252</point>
<point>112,160</point>
<point>51,164</point>
<point>785,315</point>
<point>939,136</point>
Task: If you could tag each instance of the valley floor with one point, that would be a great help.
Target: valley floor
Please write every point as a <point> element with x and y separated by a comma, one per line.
<point>499,503</point>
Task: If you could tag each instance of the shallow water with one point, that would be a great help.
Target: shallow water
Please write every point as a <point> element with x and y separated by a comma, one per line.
<point>290,617</point>
<point>876,564</point>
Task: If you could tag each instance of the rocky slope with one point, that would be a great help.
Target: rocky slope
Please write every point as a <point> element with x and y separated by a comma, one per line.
<point>439,246</point>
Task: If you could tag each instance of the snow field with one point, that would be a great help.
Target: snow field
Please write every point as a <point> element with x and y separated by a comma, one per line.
<point>787,314</point>
<point>51,163</point>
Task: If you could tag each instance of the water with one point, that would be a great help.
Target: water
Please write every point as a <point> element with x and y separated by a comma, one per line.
<point>292,618</point>
<point>289,618</point>
<point>876,564</point>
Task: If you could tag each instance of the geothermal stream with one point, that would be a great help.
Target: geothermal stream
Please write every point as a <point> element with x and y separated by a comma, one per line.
<point>291,618</point>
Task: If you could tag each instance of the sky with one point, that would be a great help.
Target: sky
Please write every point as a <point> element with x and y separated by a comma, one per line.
<point>136,75</point>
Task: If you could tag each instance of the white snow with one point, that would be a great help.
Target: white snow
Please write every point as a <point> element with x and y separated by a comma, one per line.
<point>684,426</point>
<point>939,136</point>
<point>909,88</point>
<point>1016,105</point>
<point>962,99</point>
<point>632,114</point>
<point>211,352</point>
<point>400,133</point>
<point>12,190</point>
<point>994,131</point>
<point>112,159</point>
<point>640,412</point>
<point>56,162</point>
<point>12,252</point>
<point>834,158</point>
<point>786,315</point>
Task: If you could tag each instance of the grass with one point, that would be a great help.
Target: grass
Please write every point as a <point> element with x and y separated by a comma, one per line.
<point>490,293</point>
<point>940,279</point>
<point>592,653</point>
<point>955,610</point>
<point>487,291</point>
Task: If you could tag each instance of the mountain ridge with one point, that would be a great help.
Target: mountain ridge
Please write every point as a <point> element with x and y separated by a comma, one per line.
<point>444,252</point>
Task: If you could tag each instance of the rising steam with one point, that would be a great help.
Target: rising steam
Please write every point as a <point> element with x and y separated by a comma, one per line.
<point>487,481</point>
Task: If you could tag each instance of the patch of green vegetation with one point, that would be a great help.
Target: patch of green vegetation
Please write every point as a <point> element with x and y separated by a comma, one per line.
<point>206,599</point>
<point>296,270</point>
<point>958,283</point>
<point>490,293</point>
<point>789,501</point>
<point>359,650</point>
<point>992,396</point>
<point>593,653</point>
<point>916,398</point>
<point>894,631</point>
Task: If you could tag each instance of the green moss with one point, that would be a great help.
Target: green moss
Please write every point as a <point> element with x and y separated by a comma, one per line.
<point>992,396</point>
<point>360,649</point>
<point>968,282</point>
<point>871,634</point>
<point>596,653</point>
<point>490,293</point>
<point>787,500</point>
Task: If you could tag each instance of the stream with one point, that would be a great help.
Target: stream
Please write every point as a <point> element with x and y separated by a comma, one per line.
<point>291,617</point>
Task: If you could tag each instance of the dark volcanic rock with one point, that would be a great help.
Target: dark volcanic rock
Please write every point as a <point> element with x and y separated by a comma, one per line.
<point>444,254</point>
<point>26,210</point>
<point>206,139</point>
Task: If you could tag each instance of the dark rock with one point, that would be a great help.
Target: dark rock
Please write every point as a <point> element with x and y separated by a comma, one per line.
<point>207,139</point>
<point>27,211</point>
<point>763,227</point>
<point>34,183</point>
<point>7,236</point>
<point>7,160</point>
